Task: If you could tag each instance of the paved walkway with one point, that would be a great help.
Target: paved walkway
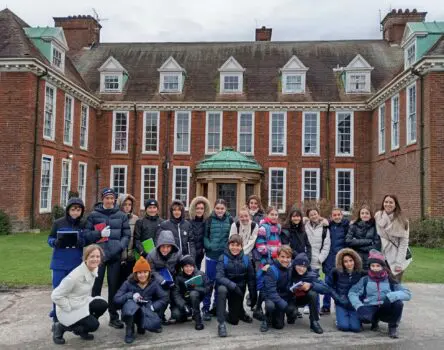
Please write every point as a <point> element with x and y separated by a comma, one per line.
<point>24,324</point>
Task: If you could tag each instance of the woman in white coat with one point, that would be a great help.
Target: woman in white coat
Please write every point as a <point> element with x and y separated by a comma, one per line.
<point>393,228</point>
<point>76,310</point>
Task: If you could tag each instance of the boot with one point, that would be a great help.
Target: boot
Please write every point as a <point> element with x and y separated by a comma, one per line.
<point>198,322</point>
<point>222,330</point>
<point>316,327</point>
<point>140,330</point>
<point>393,332</point>
<point>80,331</point>
<point>115,322</point>
<point>58,331</point>
<point>258,314</point>
<point>129,333</point>
<point>266,322</point>
<point>375,326</point>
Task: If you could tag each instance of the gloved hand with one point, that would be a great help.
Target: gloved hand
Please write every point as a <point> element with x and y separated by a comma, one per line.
<point>58,243</point>
<point>137,297</point>
<point>152,308</point>
<point>186,309</point>
<point>386,302</point>
<point>238,291</point>
<point>106,232</point>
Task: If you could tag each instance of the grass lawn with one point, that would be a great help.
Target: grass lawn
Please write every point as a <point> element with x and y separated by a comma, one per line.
<point>25,257</point>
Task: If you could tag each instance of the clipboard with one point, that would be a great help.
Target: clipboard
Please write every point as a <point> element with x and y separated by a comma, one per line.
<point>69,239</point>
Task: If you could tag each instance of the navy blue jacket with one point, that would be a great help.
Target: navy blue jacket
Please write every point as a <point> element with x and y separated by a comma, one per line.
<point>67,258</point>
<point>338,232</point>
<point>363,237</point>
<point>277,289</point>
<point>341,281</point>
<point>198,226</point>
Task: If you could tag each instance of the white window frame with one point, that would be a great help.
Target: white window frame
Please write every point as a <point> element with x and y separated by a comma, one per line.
<point>318,183</point>
<point>352,136</point>
<point>54,114</point>
<point>407,113</point>
<point>86,138</point>
<point>395,145</point>
<point>318,139</point>
<point>381,129</point>
<point>240,86</point>
<point>70,131</point>
<point>113,148</point>
<point>367,82</point>
<point>69,162</point>
<point>111,178</point>
<point>119,76</point>
<point>188,183</point>
<point>252,131</point>
<point>62,57</point>
<point>79,181</point>
<point>142,181</point>
<point>284,197</point>
<point>51,177</point>
<point>285,89</point>
<point>207,117</point>
<point>189,133</point>
<point>179,82</point>
<point>407,62</point>
<point>270,129</point>
<point>352,186</point>
<point>157,113</point>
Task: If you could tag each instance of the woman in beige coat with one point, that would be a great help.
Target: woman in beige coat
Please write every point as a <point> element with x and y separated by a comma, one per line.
<point>393,228</point>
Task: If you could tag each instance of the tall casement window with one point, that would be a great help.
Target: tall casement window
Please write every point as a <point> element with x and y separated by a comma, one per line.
<point>278,133</point>
<point>344,134</point>
<point>277,184</point>
<point>69,112</point>
<point>120,132</point>
<point>84,123</point>
<point>81,187</point>
<point>46,184</point>
<point>148,184</point>
<point>310,136</point>
<point>411,114</point>
<point>410,55</point>
<point>245,132</point>
<point>381,128</point>
<point>65,182</point>
<point>182,132</point>
<point>213,139</point>
<point>151,132</point>
<point>118,178</point>
<point>344,189</point>
<point>395,122</point>
<point>50,109</point>
<point>310,184</point>
<point>181,184</point>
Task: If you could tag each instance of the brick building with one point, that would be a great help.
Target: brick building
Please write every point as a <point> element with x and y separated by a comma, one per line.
<point>343,120</point>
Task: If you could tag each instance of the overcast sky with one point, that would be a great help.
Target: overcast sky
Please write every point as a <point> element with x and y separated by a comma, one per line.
<point>225,20</point>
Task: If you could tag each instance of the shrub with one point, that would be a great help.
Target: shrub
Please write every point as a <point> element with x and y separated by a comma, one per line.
<point>428,233</point>
<point>5,223</point>
<point>57,212</point>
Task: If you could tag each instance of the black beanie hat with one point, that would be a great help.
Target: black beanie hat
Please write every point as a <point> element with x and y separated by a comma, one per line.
<point>301,259</point>
<point>187,260</point>
<point>151,202</point>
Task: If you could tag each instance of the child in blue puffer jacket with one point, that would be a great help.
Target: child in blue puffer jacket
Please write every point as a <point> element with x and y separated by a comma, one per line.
<point>377,298</point>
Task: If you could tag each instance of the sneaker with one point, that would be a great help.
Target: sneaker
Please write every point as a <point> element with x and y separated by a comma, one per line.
<point>222,330</point>
<point>325,311</point>
<point>306,310</point>
<point>115,323</point>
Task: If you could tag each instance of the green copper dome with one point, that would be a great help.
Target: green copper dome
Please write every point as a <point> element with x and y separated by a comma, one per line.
<point>228,159</point>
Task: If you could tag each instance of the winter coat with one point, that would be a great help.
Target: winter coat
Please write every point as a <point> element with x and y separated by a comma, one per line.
<point>235,273</point>
<point>120,231</point>
<point>217,231</point>
<point>362,237</point>
<point>308,277</point>
<point>394,240</point>
<point>146,228</point>
<point>258,216</point>
<point>181,291</point>
<point>338,232</point>
<point>128,253</point>
<point>73,295</point>
<point>158,261</point>
<point>198,224</point>
<point>267,245</point>
<point>182,231</point>
<point>67,258</point>
<point>297,239</point>
<point>376,292</point>
<point>248,234</point>
<point>277,289</point>
<point>314,234</point>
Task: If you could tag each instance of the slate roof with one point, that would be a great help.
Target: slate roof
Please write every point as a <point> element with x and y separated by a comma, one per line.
<point>228,159</point>
<point>438,48</point>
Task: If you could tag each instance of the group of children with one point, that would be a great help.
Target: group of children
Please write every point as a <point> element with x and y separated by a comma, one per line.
<point>280,266</point>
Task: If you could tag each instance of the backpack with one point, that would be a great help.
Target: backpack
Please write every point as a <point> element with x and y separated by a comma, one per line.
<point>261,274</point>
<point>365,282</point>
<point>324,235</point>
<point>253,226</point>
<point>245,259</point>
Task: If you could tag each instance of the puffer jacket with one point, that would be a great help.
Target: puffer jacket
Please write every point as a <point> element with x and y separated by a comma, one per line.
<point>146,228</point>
<point>170,261</point>
<point>297,239</point>
<point>198,224</point>
<point>217,231</point>
<point>181,229</point>
<point>128,253</point>
<point>314,234</point>
<point>338,232</point>
<point>363,237</point>
<point>67,258</point>
<point>277,289</point>
<point>181,291</point>
<point>120,231</point>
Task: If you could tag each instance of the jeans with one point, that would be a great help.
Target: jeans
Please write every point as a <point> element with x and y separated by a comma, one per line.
<point>326,301</point>
<point>91,323</point>
<point>113,278</point>
<point>347,320</point>
<point>210,270</point>
<point>235,305</point>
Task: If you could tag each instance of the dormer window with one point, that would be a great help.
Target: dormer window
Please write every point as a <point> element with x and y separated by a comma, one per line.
<point>358,76</point>
<point>112,76</point>
<point>231,77</point>
<point>410,55</point>
<point>112,83</point>
<point>171,77</point>
<point>58,57</point>
<point>357,82</point>
<point>293,76</point>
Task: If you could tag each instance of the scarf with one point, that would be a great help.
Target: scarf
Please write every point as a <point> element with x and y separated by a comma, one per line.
<point>378,276</point>
<point>253,212</point>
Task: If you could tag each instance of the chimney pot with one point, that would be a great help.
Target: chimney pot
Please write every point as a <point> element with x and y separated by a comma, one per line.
<point>394,23</point>
<point>263,34</point>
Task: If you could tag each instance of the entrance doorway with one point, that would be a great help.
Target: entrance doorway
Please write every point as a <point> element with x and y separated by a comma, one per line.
<point>229,193</point>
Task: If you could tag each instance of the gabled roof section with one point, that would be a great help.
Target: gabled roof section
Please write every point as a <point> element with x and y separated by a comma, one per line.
<point>171,65</point>
<point>231,65</point>
<point>358,63</point>
<point>112,65</point>
<point>48,33</point>
<point>421,28</point>
<point>294,64</point>
<point>438,48</point>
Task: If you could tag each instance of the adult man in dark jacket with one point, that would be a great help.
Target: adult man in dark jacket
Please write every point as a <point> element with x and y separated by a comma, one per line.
<point>108,227</point>
<point>146,227</point>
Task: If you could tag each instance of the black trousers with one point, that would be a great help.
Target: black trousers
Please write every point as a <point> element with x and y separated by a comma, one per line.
<point>126,269</point>
<point>113,278</point>
<point>235,305</point>
<point>391,313</point>
<point>309,299</point>
<point>137,319</point>
<point>277,316</point>
<point>91,323</point>
<point>193,302</point>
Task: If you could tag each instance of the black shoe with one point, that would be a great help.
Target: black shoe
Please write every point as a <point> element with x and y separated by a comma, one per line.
<point>264,325</point>
<point>129,335</point>
<point>57,334</point>
<point>222,330</point>
<point>247,319</point>
<point>86,336</point>
<point>299,314</point>
<point>375,327</point>
<point>325,311</point>
<point>316,327</point>
<point>258,314</point>
<point>115,323</point>
<point>141,330</point>
<point>198,321</point>
<point>206,315</point>
<point>393,332</point>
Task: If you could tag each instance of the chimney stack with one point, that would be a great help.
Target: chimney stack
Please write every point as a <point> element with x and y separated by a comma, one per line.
<point>394,22</point>
<point>80,31</point>
<point>263,34</point>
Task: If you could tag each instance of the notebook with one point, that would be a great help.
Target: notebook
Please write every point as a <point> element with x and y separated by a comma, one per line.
<point>296,286</point>
<point>68,238</point>
<point>148,246</point>
<point>166,275</point>
<point>194,281</point>
<point>100,227</point>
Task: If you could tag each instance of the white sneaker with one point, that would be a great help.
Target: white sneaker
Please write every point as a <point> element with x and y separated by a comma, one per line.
<point>306,310</point>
